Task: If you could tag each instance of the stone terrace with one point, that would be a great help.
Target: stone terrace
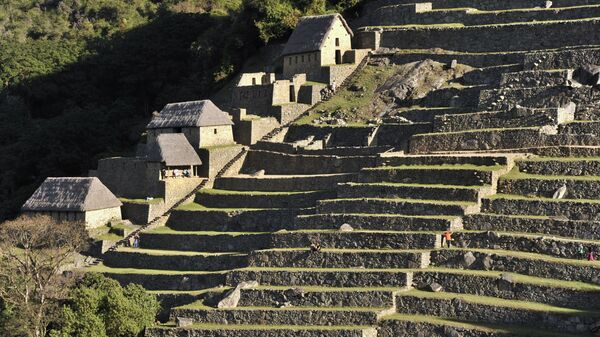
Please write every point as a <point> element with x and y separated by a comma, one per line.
<point>492,153</point>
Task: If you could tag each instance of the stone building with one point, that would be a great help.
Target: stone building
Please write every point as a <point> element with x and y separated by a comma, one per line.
<point>202,122</point>
<point>74,199</point>
<point>174,155</point>
<point>317,41</point>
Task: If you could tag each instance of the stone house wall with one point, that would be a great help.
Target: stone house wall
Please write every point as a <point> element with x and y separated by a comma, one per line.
<point>214,136</point>
<point>255,99</point>
<point>130,177</point>
<point>101,217</point>
<point>307,63</point>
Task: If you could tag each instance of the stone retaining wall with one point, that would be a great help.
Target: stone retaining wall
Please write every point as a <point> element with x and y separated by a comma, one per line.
<point>247,200</point>
<point>576,189</point>
<point>467,177</point>
<point>259,220</point>
<point>412,192</point>
<point>119,259</point>
<point>291,183</point>
<point>561,167</point>
<point>575,210</point>
<point>376,222</point>
<point>563,59</point>
<point>300,298</point>
<point>180,282</point>
<point>392,328</point>
<point>340,136</point>
<point>391,206</point>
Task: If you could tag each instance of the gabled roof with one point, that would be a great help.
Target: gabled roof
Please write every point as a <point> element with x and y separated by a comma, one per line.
<point>311,32</point>
<point>190,114</point>
<point>71,194</point>
<point>173,149</point>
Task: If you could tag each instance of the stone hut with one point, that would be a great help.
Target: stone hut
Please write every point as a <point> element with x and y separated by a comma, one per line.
<point>316,42</point>
<point>74,199</point>
<point>202,123</point>
<point>175,156</point>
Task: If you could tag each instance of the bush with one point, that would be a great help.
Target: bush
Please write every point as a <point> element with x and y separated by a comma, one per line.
<point>100,307</point>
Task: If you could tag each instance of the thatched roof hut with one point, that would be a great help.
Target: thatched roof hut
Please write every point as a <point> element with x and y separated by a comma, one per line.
<point>311,33</point>
<point>173,149</point>
<point>69,194</point>
<point>190,114</point>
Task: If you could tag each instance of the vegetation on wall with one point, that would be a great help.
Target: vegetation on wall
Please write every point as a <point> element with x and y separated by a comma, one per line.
<point>80,78</point>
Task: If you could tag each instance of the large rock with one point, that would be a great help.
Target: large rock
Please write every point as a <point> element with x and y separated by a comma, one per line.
<point>468,259</point>
<point>587,75</point>
<point>232,298</point>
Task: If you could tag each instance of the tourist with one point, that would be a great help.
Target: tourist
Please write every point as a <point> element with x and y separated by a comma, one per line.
<point>581,251</point>
<point>136,241</point>
<point>447,236</point>
<point>591,256</point>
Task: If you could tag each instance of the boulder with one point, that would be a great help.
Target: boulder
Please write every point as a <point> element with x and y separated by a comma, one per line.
<point>435,287</point>
<point>346,228</point>
<point>183,322</point>
<point>468,259</point>
<point>587,74</point>
<point>487,262</point>
<point>232,298</point>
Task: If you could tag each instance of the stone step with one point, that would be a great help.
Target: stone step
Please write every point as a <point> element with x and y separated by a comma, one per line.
<point>163,280</point>
<point>537,265</point>
<point>579,229</point>
<point>509,286</point>
<point>583,187</point>
<point>318,297</point>
<point>339,258</point>
<point>492,160</point>
<point>396,206</point>
<point>582,127</point>
<point>214,198</point>
<point>431,326</point>
<point>552,246</point>
<point>493,310</point>
<point>493,38</point>
<point>570,166</point>
<point>293,277</point>
<point>410,191</point>
<point>515,139</point>
<point>240,220</point>
<point>516,118</point>
<point>539,97</point>
<point>231,330</point>
<point>297,316</point>
<point>536,78</point>
<point>464,175</point>
<point>574,209</point>
<point>393,222</point>
<point>244,242</point>
<point>300,164</point>
<point>282,183</point>
<point>173,260</point>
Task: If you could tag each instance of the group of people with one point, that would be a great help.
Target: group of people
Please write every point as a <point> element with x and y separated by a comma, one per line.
<point>176,173</point>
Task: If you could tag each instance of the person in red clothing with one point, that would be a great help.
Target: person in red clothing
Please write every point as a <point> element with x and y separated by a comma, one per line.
<point>447,236</point>
<point>591,256</point>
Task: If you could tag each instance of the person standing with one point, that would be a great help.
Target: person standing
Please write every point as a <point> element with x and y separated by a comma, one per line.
<point>591,256</point>
<point>447,237</point>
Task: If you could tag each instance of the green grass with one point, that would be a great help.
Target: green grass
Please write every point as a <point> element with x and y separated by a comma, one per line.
<point>438,167</point>
<point>433,134</point>
<point>409,201</point>
<point>271,327</point>
<point>257,193</point>
<point>525,198</point>
<point>516,174</point>
<point>201,208</point>
<point>159,252</point>
<point>101,268</point>
<point>109,237</point>
<point>199,305</point>
<point>167,230</point>
<point>462,187</point>
<point>154,201</point>
<point>425,217</point>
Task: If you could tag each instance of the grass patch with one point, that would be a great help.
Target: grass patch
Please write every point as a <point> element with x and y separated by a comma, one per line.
<point>252,193</point>
<point>101,268</point>
<point>154,201</point>
<point>250,327</point>
<point>437,167</point>
<point>433,134</point>
<point>201,208</point>
<point>158,252</point>
<point>525,198</point>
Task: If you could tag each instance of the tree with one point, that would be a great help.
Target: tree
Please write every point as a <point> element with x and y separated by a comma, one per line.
<point>100,307</point>
<point>33,253</point>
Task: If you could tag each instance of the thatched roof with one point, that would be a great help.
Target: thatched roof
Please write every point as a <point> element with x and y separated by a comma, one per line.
<point>190,114</point>
<point>71,194</point>
<point>173,149</point>
<point>311,32</point>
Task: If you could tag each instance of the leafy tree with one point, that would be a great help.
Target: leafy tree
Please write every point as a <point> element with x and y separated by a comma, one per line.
<point>33,251</point>
<point>100,307</point>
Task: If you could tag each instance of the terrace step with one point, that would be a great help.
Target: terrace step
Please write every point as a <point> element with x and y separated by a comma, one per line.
<point>520,118</point>
<point>431,326</point>
<point>396,206</point>
<point>318,297</point>
<point>339,258</point>
<point>393,222</point>
<point>493,310</point>
<point>245,199</point>
<point>173,260</point>
<point>532,264</point>
<point>489,140</point>
<point>295,164</point>
<point>582,187</point>
<point>581,127</point>
<point>562,59</point>
<point>231,330</point>
<point>574,209</point>
<point>464,175</point>
<point>293,148</point>
<point>410,191</point>
<point>579,229</point>
<point>552,246</point>
<point>297,316</point>
<point>282,183</point>
<point>536,78</point>
<point>570,166</point>
<point>244,242</point>
<point>510,286</point>
<point>197,218</point>
<point>292,277</point>
<point>492,160</point>
<point>539,97</point>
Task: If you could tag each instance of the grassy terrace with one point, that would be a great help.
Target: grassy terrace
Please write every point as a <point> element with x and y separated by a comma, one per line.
<point>537,235</point>
<point>525,198</point>
<point>437,167</point>
<point>201,208</point>
<point>157,252</point>
<point>494,301</point>
<point>559,159</point>
<point>167,230</point>
<point>199,305</point>
<point>154,201</point>
<point>462,26</point>
<point>516,174</point>
<point>478,326</point>
<point>252,193</point>
<point>431,134</point>
<point>424,217</point>
<point>269,327</point>
<point>409,201</point>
